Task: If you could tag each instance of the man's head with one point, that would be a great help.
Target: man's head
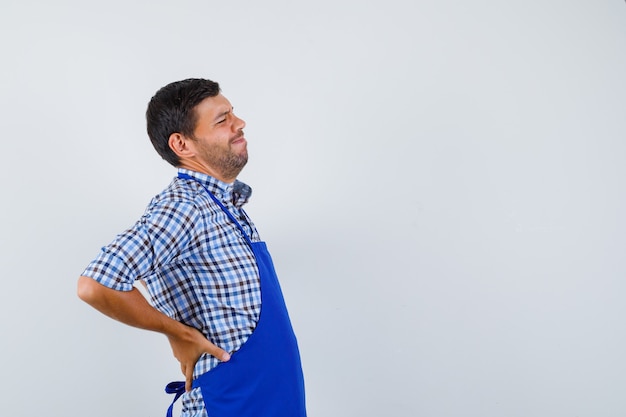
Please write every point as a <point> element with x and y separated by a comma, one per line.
<point>172,110</point>
<point>192,125</point>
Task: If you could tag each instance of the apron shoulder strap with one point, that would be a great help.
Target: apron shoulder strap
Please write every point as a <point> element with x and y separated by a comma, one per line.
<point>219,203</point>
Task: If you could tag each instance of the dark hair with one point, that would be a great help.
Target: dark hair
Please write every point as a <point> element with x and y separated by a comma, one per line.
<point>172,110</point>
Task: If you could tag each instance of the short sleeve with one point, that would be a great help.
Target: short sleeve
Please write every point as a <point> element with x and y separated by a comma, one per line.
<point>162,233</point>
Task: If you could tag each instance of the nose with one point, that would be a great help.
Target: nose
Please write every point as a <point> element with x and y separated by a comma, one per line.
<point>239,123</point>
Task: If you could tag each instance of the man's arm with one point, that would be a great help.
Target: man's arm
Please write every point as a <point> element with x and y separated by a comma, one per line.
<point>131,308</point>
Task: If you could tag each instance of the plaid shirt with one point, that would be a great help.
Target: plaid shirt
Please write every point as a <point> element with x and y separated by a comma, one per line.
<point>197,267</point>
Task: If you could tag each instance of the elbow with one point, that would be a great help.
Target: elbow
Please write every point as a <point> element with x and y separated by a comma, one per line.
<point>86,289</point>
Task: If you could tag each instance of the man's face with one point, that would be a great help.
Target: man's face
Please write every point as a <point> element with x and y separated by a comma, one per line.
<point>218,137</point>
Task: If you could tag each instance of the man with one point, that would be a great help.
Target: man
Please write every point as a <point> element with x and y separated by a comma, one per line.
<point>202,262</point>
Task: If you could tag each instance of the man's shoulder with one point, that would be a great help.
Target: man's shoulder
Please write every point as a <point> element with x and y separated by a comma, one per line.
<point>177,193</point>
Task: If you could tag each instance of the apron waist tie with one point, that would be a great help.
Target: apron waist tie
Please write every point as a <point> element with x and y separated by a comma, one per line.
<point>177,388</point>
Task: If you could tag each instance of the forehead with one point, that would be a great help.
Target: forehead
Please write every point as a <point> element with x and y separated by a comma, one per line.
<point>213,106</point>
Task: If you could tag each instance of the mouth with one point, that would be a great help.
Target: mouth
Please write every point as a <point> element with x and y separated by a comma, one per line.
<point>238,139</point>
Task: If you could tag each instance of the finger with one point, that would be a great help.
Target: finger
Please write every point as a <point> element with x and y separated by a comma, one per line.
<point>220,354</point>
<point>188,378</point>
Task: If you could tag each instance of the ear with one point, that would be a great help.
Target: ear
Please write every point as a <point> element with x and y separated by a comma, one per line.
<point>181,145</point>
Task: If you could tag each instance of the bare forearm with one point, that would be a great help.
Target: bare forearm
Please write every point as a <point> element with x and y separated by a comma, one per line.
<point>128,307</point>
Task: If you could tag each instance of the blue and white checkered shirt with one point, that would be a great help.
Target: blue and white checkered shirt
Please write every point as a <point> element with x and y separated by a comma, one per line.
<point>197,267</point>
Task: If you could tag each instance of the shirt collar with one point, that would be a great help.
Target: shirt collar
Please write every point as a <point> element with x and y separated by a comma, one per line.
<point>237,192</point>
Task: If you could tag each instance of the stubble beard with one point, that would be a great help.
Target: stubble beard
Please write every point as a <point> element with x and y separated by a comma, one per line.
<point>230,164</point>
<point>226,161</point>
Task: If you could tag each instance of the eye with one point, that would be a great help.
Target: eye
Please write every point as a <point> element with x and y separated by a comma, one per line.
<point>220,121</point>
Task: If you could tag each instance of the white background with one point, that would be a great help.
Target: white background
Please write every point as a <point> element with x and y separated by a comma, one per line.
<point>442,185</point>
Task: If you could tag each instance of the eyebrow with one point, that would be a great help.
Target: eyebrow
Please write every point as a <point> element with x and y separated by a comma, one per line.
<point>222,114</point>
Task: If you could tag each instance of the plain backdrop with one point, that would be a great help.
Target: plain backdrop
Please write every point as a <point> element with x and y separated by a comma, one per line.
<point>441,183</point>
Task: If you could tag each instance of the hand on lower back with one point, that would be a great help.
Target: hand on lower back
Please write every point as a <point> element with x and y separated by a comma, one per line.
<point>188,345</point>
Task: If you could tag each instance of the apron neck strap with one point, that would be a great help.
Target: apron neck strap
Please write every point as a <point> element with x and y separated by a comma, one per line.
<point>219,203</point>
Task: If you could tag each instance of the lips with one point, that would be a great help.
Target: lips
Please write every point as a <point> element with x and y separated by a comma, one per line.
<point>238,139</point>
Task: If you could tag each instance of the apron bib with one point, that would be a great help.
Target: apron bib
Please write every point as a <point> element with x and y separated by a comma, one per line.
<point>264,377</point>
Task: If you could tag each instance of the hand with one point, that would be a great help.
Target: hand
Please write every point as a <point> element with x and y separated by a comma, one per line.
<point>188,345</point>
<point>130,307</point>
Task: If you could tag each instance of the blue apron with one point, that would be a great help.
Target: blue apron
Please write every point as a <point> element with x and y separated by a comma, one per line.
<point>264,377</point>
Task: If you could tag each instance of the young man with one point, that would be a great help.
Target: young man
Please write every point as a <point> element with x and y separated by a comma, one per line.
<point>213,289</point>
